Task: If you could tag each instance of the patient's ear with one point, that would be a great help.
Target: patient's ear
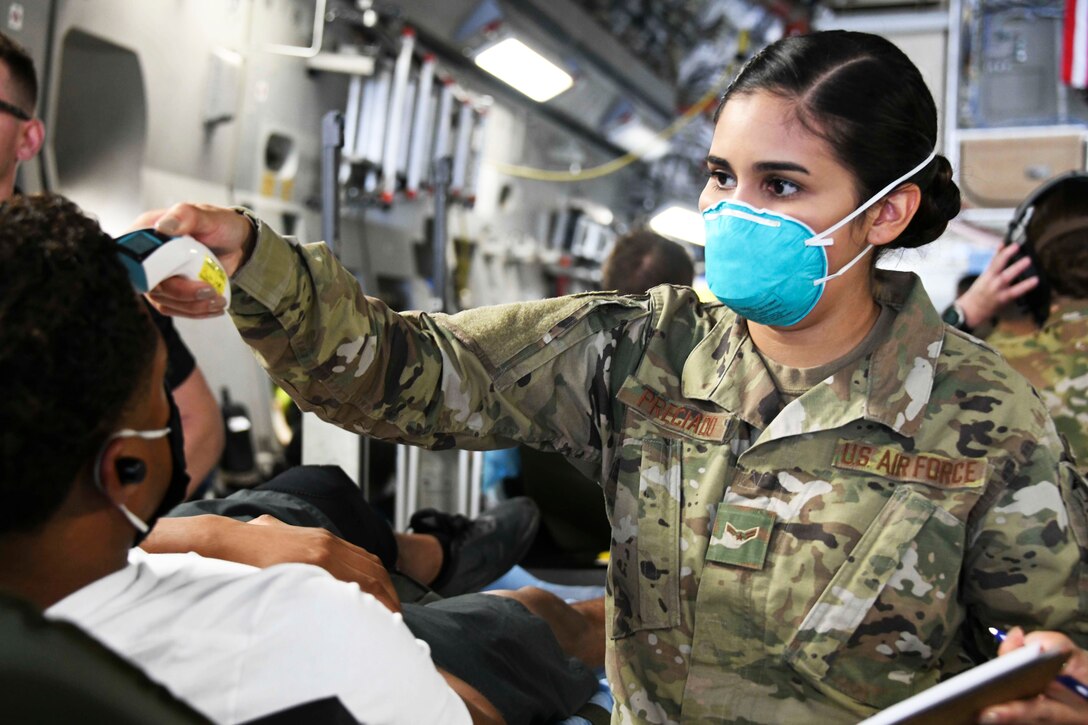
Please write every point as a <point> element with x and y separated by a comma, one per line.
<point>118,469</point>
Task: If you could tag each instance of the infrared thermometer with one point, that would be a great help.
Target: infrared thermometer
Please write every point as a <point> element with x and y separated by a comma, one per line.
<point>150,257</point>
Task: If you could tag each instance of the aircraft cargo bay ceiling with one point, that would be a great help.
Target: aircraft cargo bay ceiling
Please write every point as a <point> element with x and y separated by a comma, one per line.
<point>636,66</point>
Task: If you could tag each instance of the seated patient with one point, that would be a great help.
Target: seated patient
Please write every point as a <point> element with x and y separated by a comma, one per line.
<point>91,456</point>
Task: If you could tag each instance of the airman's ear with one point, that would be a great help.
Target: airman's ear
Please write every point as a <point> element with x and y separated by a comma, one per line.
<point>893,214</point>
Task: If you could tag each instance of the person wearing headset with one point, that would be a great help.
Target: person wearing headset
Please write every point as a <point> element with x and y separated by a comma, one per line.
<point>820,495</point>
<point>1011,276</point>
<point>1051,227</point>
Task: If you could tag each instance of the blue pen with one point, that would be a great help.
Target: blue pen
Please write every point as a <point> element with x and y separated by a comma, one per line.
<point>1070,682</point>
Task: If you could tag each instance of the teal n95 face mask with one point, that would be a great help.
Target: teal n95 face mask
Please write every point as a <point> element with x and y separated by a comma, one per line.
<point>771,268</point>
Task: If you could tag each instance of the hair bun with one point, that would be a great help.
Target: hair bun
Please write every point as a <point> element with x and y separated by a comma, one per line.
<point>940,204</point>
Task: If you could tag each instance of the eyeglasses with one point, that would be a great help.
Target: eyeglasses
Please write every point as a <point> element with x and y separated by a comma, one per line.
<point>14,110</point>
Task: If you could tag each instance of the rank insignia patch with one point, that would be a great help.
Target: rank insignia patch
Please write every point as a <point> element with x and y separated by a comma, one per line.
<point>741,536</point>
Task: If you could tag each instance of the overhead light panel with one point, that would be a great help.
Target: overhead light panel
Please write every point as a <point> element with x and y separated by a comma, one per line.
<point>681,223</point>
<point>518,65</point>
<point>637,138</point>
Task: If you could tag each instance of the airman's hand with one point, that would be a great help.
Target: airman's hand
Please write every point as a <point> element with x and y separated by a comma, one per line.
<point>228,234</point>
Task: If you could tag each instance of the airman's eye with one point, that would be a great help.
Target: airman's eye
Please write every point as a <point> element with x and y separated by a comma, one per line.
<point>722,179</point>
<point>782,187</point>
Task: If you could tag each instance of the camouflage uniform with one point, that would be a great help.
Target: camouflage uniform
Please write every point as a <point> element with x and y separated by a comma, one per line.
<point>1054,361</point>
<point>815,563</point>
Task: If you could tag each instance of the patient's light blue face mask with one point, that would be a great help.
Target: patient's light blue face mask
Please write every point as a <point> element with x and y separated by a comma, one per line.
<point>771,268</point>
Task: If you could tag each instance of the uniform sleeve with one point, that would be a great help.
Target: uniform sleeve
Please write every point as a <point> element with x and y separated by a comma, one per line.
<point>538,373</point>
<point>314,638</point>
<point>1028,553</point>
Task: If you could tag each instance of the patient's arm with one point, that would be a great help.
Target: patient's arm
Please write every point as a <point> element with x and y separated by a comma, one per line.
<point>266,541</point>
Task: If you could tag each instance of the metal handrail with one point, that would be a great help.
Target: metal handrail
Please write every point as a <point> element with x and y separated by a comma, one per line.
<point>317,37</point>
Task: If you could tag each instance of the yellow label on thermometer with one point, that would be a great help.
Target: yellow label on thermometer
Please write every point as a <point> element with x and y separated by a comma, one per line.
<point>214,274</point>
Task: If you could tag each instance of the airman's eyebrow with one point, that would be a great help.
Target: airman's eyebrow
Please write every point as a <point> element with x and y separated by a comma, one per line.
<point>781,166</point>
<point>762,166</point>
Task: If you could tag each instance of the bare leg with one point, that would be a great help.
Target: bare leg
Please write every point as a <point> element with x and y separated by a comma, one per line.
<point>578,627</point>
<point>479,707</point>
<point>419,556</point>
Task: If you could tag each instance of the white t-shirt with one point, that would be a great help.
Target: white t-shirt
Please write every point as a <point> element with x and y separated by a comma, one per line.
<point>237,642</point>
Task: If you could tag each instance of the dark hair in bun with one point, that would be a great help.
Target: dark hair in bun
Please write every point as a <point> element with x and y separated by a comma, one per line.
<point>868,101</point>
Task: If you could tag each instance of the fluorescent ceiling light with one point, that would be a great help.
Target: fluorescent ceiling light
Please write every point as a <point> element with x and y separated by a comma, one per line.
<point>638,139</point>
<point>680,223</point>
<point>518,65</point>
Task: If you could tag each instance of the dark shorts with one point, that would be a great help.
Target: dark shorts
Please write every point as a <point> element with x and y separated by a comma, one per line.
<point>514,659</point>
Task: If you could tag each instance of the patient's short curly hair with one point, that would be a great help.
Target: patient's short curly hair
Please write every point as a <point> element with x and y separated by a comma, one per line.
<point>75,346</point>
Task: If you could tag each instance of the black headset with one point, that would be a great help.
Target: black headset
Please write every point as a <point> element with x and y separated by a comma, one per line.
<point>1037,301</point>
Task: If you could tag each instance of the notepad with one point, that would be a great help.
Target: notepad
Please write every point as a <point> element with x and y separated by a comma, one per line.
<point>1021,673</point>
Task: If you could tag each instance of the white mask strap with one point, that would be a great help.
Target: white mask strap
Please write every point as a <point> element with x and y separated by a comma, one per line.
<point>133,519</point>
<point>845,267</point>
<point>146,435</point>
<point>874,199</point>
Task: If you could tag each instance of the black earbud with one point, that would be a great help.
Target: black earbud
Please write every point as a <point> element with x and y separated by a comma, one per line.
<point>131,470</point>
